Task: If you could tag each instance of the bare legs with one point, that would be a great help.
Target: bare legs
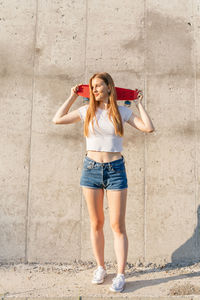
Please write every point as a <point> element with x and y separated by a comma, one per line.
<point>117,208</point>
<point>94,199</point>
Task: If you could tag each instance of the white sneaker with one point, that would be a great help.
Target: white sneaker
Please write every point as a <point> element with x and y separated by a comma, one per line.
<point>118,283</point>
<point>99,275</point>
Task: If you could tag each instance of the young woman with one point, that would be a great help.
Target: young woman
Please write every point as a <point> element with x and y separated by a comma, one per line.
<point>104,165</point>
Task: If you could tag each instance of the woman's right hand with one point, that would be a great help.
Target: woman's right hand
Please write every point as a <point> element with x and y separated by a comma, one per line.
<point>75,89</point>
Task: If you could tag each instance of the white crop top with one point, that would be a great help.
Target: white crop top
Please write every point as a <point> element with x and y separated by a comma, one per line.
<point>104,138</point>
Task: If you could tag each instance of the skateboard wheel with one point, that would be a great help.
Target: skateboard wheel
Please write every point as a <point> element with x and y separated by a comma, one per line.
<point>85,100</point>
<point>127,103</point>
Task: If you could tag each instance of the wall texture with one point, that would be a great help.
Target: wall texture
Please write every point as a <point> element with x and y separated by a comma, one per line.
<point>46,48</point>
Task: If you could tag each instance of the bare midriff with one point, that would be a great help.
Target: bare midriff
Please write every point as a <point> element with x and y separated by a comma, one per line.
<point>103,157</point>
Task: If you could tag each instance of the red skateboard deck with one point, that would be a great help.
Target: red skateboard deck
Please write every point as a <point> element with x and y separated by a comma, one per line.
<point>122,94</point>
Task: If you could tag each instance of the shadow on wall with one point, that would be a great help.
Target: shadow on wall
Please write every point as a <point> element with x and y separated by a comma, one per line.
<point>190,250</point>
<point>186,255</point>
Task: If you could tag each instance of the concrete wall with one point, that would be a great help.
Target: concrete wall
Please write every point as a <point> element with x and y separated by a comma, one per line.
<point>46,48</point>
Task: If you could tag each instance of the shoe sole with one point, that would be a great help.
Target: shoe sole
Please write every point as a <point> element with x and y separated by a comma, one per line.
<point>99,282</point>
<point>117,291</point>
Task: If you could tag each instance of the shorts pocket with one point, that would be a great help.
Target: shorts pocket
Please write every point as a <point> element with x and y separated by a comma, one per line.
<point>88,166</point>
<point>118,169</point>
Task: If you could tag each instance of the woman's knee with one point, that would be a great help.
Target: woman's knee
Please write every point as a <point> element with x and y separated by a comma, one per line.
<point>118,227</point>
<point>97,225</point>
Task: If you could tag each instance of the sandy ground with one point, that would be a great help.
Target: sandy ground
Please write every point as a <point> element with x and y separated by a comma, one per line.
<point>74,280</point>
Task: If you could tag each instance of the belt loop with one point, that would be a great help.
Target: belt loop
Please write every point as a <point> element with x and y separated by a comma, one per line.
<point>110,166</point>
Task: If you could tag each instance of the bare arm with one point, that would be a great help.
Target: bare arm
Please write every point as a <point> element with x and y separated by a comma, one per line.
<point>143,122</point>
<point>62,116</point>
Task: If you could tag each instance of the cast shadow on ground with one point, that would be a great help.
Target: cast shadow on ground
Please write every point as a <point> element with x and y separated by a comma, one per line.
<point>132,286</point>
<point>135,285</point>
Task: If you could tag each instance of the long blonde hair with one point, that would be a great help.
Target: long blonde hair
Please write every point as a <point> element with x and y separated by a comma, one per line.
<point>112,105</point>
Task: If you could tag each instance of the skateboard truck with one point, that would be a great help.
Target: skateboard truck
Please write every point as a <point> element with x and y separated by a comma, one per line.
<point>127,103</point>
<point>86,100</point>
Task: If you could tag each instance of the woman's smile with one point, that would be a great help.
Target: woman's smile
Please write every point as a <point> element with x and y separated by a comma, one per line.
<point>100,89</point>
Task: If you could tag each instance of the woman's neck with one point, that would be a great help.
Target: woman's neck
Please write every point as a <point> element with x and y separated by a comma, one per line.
<point>104,105</point>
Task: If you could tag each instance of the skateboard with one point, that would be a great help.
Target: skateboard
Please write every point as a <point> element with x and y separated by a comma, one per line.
<point>122,93</point>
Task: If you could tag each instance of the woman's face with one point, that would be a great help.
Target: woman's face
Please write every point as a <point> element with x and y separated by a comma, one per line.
<point>99,89</point>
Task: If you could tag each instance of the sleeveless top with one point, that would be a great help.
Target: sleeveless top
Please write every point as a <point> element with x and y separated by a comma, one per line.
<point>104,138</point>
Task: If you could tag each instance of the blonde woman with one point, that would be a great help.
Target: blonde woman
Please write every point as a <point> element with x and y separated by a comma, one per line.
<point>104,165</point>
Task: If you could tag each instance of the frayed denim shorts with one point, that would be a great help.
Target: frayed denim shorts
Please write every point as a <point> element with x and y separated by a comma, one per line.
<point>108,176</point>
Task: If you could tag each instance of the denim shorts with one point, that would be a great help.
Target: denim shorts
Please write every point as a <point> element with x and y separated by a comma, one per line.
<point>108,176</point>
